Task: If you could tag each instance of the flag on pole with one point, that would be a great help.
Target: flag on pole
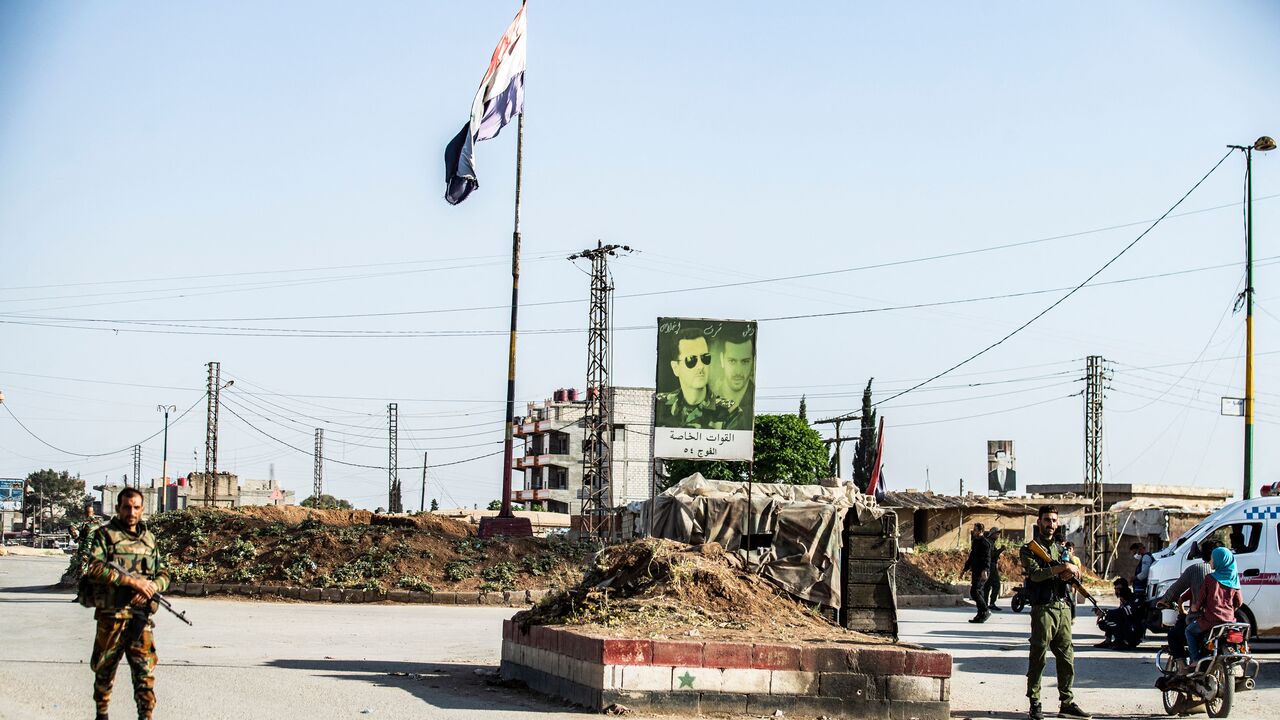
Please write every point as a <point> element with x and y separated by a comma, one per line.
<point>876,485</point>
<point>499,99</point>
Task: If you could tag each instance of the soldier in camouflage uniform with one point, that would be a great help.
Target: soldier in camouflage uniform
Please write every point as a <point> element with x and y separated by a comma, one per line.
<point>123,603</point>
<point>694,405</point>
<point>1046,587</point>
<point>78,562</point>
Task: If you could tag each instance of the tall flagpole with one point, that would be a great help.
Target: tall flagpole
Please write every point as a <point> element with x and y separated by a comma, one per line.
<point>507,450</point>
<point>506,523</point>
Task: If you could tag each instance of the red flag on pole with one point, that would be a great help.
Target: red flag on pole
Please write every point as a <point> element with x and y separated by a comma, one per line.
<point>875,469</point>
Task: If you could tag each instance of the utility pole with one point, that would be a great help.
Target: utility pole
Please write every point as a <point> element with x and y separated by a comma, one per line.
<point>317,473</point>
<point>164,463</point>
<point>393,450</point>
<point>137,466</point>
<point>1262,144</point>
<point>839,439</point>
<point>1095,527</point>
<point>211,434</point>
<point>597,459</point>
<point>422,502</point>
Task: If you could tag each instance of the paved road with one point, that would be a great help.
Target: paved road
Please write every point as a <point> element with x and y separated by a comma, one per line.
<point>990,665</point>
<point>251,660</point>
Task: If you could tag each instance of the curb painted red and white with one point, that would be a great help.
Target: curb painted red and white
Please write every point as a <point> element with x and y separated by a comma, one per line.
<point>871,681</point>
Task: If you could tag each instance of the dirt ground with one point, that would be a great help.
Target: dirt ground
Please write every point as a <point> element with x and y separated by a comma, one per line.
<point>944,566</point>
<point>664,589</point>
<point>303,547</point>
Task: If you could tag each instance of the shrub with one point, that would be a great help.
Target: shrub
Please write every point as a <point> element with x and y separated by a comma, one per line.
<point>500,576</point>
<point>458,570</point>
<point>240,551</point>
<point>413,582</point>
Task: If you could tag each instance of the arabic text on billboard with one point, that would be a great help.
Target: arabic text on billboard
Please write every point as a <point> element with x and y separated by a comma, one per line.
<point>10,493</point>
<point>704,408</point>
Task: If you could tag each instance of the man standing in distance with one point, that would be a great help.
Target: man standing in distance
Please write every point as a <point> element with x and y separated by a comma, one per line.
<point>693,405</point>
<point>1046,588</point>
<point>122,603</point>
<point>737,366</point>
<point>979,566</point>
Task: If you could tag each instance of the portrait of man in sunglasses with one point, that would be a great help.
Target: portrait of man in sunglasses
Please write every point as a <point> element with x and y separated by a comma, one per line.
<point>693,405</point>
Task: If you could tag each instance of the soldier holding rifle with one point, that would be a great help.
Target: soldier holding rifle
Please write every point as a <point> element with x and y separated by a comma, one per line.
<point>125,572</point>
<point>1047,581</point>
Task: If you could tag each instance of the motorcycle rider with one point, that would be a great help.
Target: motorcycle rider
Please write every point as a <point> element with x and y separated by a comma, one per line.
<point>1191,582</point>
<point>1219,599</point>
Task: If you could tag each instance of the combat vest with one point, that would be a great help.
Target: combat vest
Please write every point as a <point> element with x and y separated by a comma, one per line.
<point>136,553</point>
<point>1045,591</point>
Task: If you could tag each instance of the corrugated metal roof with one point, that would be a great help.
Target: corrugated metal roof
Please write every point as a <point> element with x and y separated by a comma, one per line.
<point>930,501</point>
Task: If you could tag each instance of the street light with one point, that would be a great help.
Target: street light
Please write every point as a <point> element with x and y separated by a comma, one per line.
<point>164,467</point>
<point>1262,144</point>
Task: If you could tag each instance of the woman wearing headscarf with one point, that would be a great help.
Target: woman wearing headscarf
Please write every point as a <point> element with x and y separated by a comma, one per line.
<point>1219,598</point>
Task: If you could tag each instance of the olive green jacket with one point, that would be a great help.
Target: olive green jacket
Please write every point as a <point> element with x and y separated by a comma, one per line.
<point>136,552</point>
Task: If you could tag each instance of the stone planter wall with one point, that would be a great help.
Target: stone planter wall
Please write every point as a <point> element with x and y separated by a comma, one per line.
<point>885,682</point>
<point>511,598</point>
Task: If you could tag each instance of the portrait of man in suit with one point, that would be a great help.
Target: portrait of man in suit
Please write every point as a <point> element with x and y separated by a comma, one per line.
<point>1002,478</point>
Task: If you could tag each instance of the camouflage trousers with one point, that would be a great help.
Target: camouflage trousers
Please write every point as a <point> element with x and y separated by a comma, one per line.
<point>131,638</point>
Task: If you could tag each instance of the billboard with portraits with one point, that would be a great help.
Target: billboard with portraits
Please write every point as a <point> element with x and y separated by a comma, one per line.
<point>704,405</point>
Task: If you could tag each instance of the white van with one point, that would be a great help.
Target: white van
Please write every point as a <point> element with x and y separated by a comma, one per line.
<point>1252,530</point>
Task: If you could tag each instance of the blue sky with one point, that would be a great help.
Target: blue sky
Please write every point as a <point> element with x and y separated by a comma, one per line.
<point>153,155</point>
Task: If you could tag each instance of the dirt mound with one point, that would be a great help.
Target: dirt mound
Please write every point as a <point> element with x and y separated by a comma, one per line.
<point>664,589</point>
<point>911,580</point>
<point>302,547</point>
<point>295,515</point>
<point>945,566</point>
<point>450,527</point>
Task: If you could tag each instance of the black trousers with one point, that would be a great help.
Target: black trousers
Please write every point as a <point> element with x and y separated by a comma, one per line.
<point>1178,638</point>
<point>993,590</point>
<point>978,592</point>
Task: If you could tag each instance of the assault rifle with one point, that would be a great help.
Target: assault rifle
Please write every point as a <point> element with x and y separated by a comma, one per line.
<point>1043,555</point>
<point>157,598</point>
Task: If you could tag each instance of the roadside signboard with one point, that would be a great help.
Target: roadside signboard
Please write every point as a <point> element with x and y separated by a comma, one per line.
<point>704,404</point>
<point>11,493</point>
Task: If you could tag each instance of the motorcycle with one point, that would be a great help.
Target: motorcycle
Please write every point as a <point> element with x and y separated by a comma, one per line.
<point>1226,668</point>
<point>1019,599</point>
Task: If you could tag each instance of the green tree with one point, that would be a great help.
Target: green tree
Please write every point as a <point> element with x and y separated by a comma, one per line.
<point>495,504</point>
<point>804,409</point>
<point>56,498</point>
<point>326,502</point>
<point>787,450</point>
<point>435,505</point>
<point>864,450</point>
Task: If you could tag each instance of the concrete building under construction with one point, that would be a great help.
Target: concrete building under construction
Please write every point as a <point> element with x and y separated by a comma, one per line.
<point>553,435</point>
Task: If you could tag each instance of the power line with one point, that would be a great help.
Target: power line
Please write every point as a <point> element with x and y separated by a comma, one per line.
<point>135,281</point>
<point>987,414</point>
<point>127,448</point>
<point>351,464</point>
<point>757,281</point>
<point>219,331</point>
<point>1073,291</point>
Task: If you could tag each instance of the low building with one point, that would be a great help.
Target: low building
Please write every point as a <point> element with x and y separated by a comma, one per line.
<point>175,497</point>
<point>554,435</point>
<point>264,492</point>
<point>946,521</point>
<point>1153,515</point>
<point>544,523</point>
<point>225,486</point>
<point>229,492</point>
